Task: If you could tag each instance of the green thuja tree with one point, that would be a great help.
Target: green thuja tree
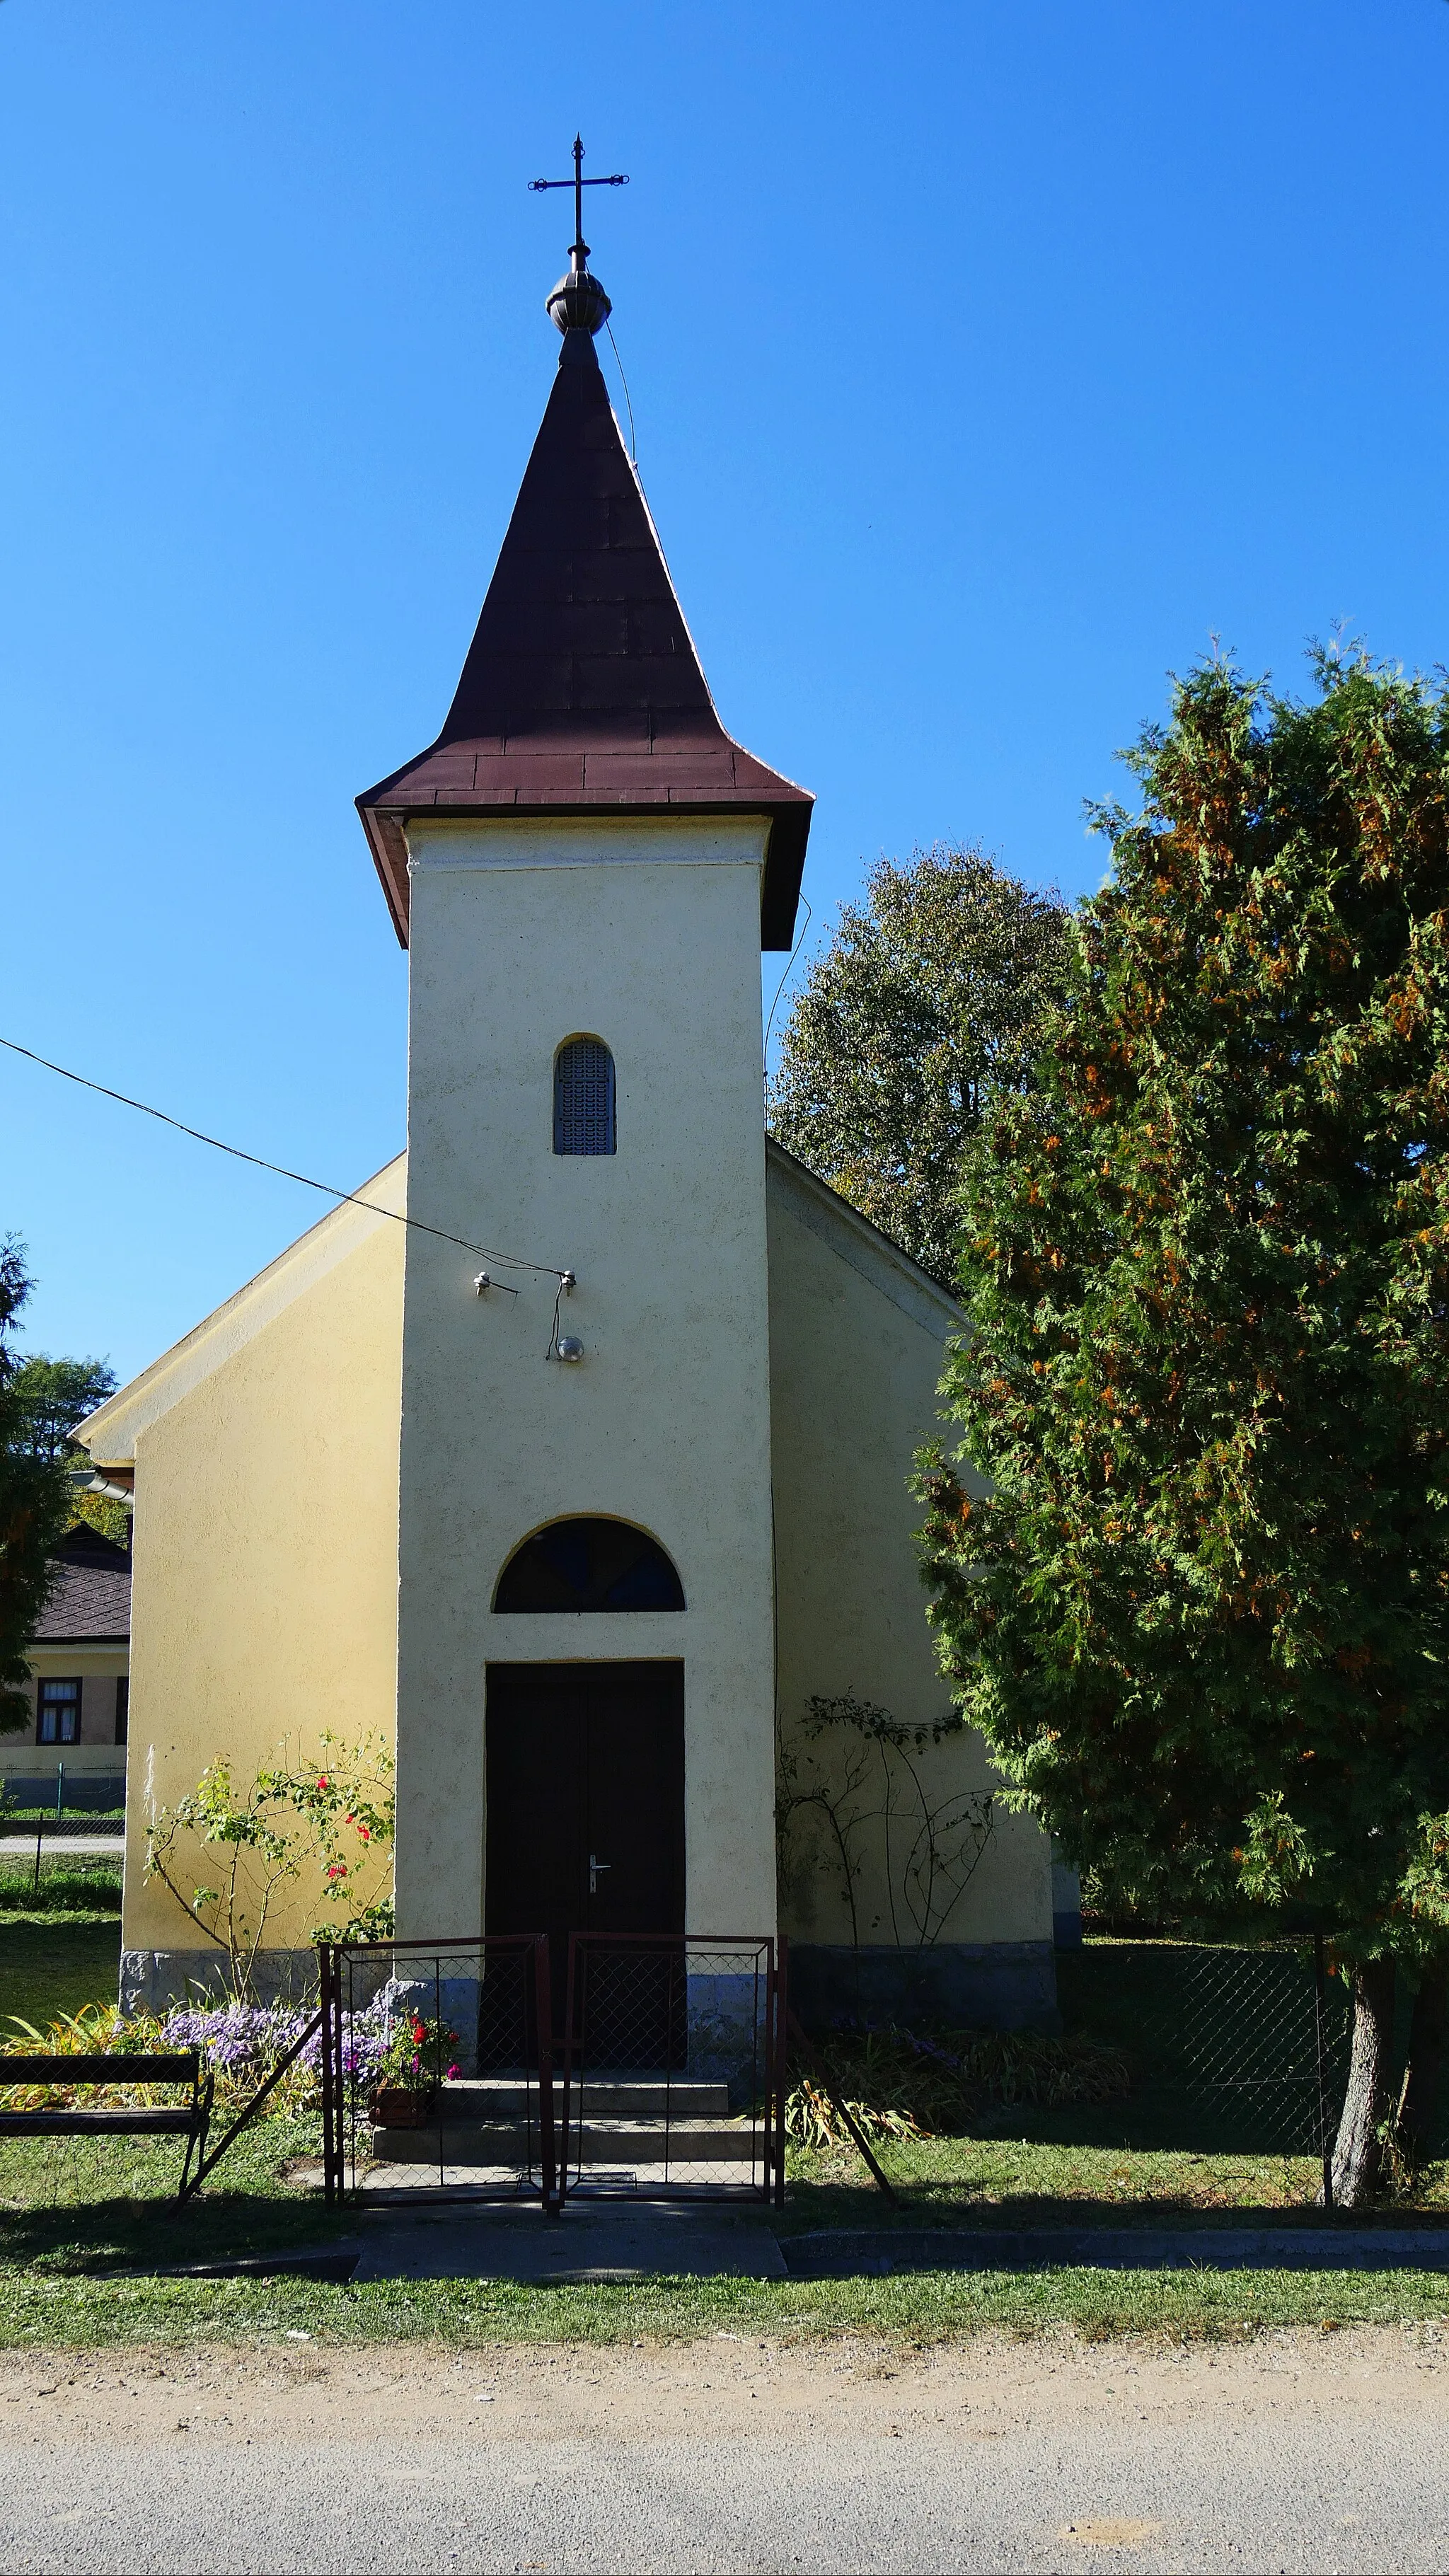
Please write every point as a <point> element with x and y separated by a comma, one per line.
<point>1203,1614</point>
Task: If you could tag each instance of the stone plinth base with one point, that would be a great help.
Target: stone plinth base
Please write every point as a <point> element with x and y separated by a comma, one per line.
<point>153,1980</point>
<point>727,2042</point>
<point>963,1985</point>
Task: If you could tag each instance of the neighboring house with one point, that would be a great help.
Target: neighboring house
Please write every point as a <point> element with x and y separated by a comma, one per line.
<point>80,1662</point>
<point>584,1522</point>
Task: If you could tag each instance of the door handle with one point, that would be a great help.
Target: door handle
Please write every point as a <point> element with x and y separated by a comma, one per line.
<point>595,1868</point>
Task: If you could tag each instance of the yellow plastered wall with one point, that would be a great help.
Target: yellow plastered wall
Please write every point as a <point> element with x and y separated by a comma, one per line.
<point>264,1601</point>
<point>857,1344</point>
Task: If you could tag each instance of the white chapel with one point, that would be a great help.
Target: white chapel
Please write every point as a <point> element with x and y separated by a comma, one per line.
<point>616,1548</point>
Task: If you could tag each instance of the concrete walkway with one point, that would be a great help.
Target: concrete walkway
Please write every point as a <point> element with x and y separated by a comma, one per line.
<point>592,2241</point>
<point>633,2240</point>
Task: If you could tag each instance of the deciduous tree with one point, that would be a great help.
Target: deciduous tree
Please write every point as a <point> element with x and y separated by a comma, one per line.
<point>928,999</point>
<point>53,1397</point>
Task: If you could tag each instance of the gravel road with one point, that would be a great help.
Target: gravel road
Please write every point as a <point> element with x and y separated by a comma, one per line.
<point>1294,2452</point>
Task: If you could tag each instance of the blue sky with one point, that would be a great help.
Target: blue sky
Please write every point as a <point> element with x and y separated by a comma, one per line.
<point>985,362</point>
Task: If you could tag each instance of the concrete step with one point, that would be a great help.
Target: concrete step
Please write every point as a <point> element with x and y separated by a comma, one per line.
<point>651,2097</point>
<point>612,2142</point>
<point>637,2097</point>
<point>623,2142</point>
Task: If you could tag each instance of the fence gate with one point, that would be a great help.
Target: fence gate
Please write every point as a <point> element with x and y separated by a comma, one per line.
<point>673,2066</point>
<point>437,2067</point>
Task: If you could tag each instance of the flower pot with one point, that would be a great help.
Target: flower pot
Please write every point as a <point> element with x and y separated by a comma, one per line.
<point>394,2107</point>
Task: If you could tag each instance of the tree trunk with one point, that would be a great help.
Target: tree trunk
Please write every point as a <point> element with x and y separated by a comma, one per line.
<point>1427,2033</point>
<point>1357,2151</point>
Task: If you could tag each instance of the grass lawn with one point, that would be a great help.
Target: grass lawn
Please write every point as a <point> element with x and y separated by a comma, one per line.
<point>73,2211</point>
<point>70,2212</point>
<point>60,1946</point>
<point>924,2308</point>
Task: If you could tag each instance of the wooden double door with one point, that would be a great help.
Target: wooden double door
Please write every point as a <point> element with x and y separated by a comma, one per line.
<point>585,1767</point>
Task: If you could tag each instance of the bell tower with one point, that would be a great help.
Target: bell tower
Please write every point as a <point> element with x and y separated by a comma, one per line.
<point>584,868</point>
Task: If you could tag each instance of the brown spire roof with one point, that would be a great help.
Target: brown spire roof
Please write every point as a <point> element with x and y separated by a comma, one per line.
<point>582,690</point>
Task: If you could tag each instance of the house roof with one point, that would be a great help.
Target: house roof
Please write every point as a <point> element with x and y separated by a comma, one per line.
<point>91,1602</point>
<point>582,691</point>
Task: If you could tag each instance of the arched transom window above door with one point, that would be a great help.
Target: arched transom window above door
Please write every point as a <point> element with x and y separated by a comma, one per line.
<point>583,1098</point>
<point>589,1565</point>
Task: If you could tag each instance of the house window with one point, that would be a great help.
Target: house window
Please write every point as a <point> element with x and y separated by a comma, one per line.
<point>583,1098</point>
<point>58,1713</point>
<point>123,1707</point>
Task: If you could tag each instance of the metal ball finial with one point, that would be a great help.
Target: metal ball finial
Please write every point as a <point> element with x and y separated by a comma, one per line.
<point>578,302</point>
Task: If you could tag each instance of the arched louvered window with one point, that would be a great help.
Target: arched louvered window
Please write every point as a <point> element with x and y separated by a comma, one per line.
<point>583,1098</point>
<point>589,1565</point>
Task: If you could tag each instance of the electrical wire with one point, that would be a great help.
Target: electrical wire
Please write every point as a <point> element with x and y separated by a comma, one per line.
<point>624,381</point>
<point>785,978</point>
<point>510,1260</point>
<point>552,1352</point>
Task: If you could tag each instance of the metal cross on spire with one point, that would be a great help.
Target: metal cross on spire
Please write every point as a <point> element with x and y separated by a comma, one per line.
<point>578,247</point>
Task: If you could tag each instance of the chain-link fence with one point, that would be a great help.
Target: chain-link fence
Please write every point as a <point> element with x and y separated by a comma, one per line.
<point>75,1848</point>
<point>76,1824</point>
<point>438,2067</point>
<point>1256,2040</point>
<point>672,2066</point>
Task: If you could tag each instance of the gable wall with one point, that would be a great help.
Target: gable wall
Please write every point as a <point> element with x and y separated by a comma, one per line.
<point>265,1588</point>
<point>857,1342</point>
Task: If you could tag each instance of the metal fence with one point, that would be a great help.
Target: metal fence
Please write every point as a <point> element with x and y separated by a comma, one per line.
<point>673,2066</point>
<point>30,1839</point>
<point>437,2068</point>
<point>68,1827</point>
<point>1257,2041</point>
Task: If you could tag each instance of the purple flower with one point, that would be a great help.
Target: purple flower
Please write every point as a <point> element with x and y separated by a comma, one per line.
<point>249,2038</point>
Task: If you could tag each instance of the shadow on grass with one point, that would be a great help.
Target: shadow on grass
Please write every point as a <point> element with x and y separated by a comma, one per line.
<point>950,2206</point>
<point>54,1966</point>
<point>1157,2118</point>
<point>109,2204</point>
<point>151,2236</point>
